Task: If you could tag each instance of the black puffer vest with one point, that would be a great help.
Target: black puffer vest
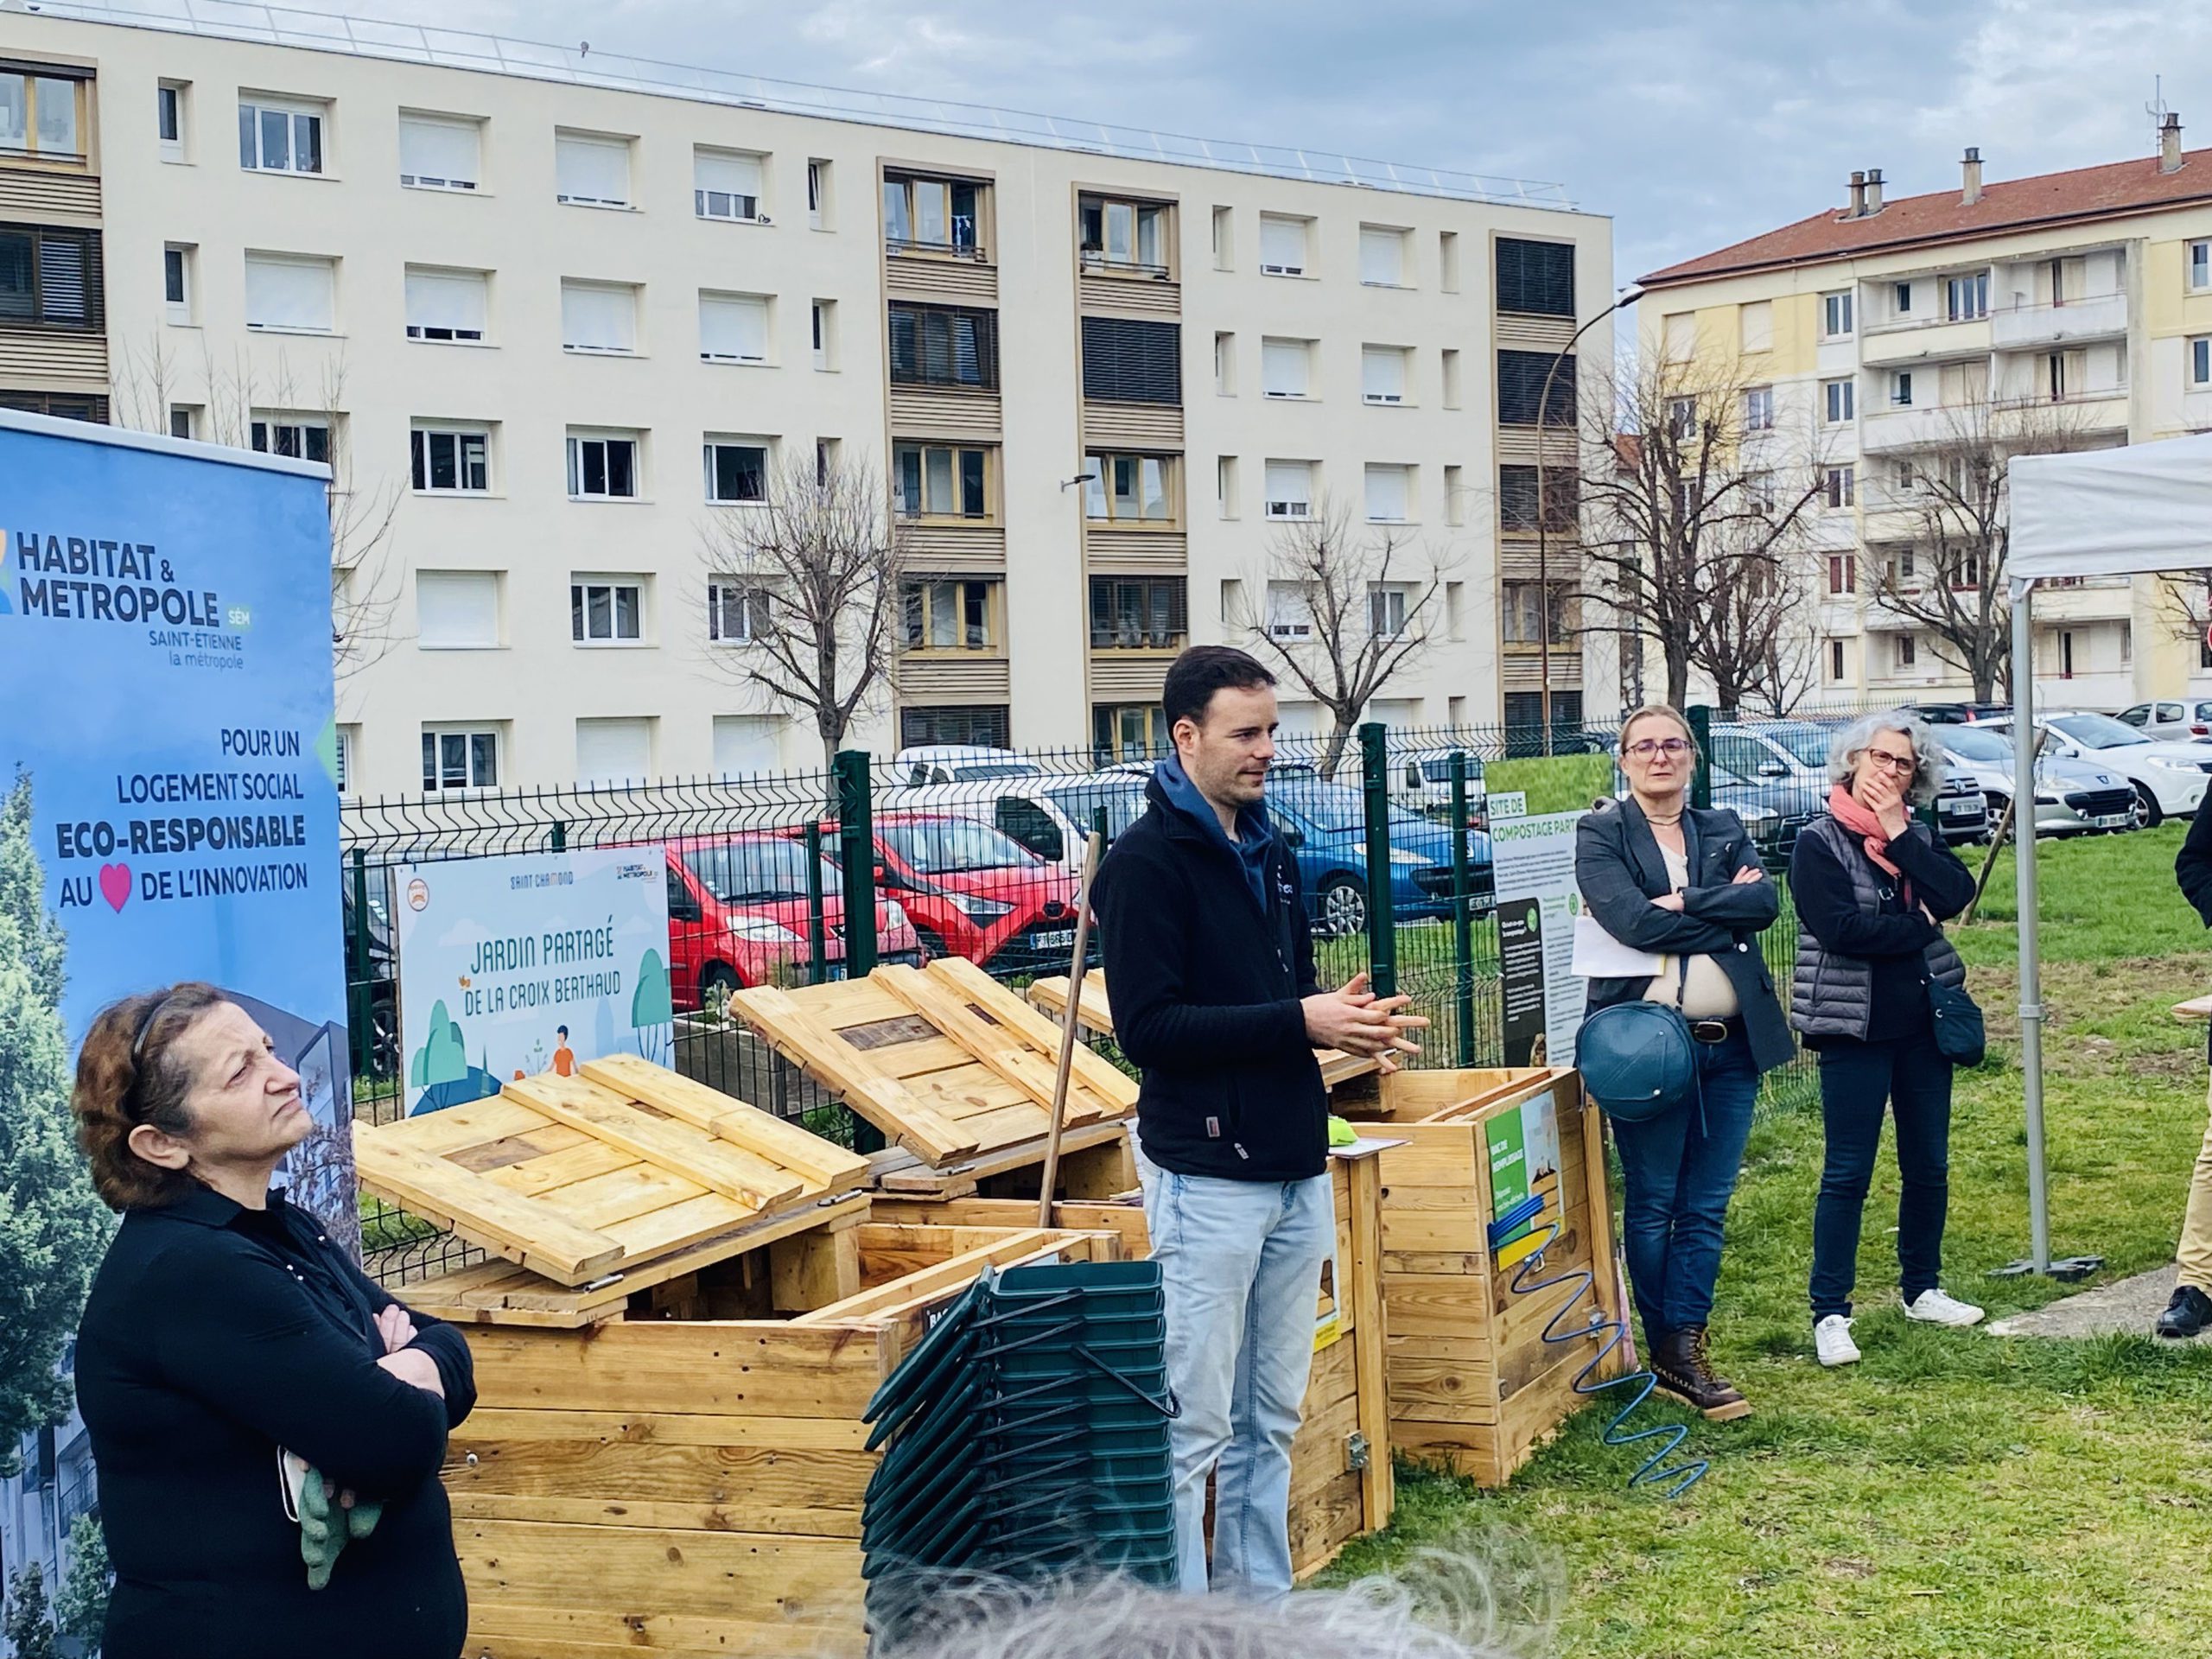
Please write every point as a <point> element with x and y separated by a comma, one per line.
<point>1832,995</point>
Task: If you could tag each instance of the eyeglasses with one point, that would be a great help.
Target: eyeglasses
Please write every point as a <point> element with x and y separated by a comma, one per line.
<point>1672,747</point>
<point>1904,765</point>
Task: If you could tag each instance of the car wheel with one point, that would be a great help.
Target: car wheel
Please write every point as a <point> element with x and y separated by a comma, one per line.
<point>932,946</point>
<point>384,1041</point>
<point>716,981</point>
<point>2146,814</point>
<point>1344,907</point>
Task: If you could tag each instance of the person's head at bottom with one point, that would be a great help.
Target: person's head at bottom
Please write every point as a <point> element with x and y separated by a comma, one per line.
<point>180,1087</point>
<point>1220,705</point>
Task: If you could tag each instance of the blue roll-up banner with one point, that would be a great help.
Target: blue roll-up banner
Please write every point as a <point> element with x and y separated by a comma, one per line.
<point>166,700</point>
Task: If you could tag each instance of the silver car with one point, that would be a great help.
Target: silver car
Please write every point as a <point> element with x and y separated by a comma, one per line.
<point>2072,796</point>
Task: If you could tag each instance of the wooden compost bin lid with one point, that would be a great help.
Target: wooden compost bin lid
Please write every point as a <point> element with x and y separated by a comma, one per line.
<point>1095,1014</point>
<point>592,1187</point>
<point>1446,1096</point>
<point>954,1069</point>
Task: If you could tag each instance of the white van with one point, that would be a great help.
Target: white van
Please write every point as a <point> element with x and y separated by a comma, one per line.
<point>954,763</point>
<point>1049,813</point>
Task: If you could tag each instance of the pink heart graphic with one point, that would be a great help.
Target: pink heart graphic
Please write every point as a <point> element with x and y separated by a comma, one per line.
<point>115,884</point>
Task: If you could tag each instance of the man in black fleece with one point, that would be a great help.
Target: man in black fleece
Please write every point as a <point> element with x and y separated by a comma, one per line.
<point>1209,957</point>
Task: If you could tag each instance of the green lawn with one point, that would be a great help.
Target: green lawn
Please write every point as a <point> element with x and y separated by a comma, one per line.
<point>1955,1493</point>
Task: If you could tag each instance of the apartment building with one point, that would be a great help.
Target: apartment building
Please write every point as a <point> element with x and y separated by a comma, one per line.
<point>1883,342</point>
<point>561,323</point>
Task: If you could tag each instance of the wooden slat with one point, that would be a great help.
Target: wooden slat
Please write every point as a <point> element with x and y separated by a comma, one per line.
<point>737,1367</point>
<point>458,1127</point>
<point>578,1163</point>
<point>677,1148</point>
<point>820,1163</point>
<point>603,1202</point>
<point>883,1099</point>
<point>1112,1085</point>
<point>996,1046</point>
<point>952,1274</point>
<point>503,1221</point>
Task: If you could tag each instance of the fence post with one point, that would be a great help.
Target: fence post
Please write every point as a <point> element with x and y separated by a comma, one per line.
<point>1463,923</point>
<point>857,853</point>
<point>1701,779</point>
<point>361,1014</point>
<point>558,841</point>
<point>817,946</point>
<point>1382,915</point>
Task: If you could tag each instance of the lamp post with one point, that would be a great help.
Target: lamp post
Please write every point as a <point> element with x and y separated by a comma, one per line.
<point>1543,514</point>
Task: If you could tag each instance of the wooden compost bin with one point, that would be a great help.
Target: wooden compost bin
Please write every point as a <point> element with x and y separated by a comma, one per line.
<point>667,1455</point>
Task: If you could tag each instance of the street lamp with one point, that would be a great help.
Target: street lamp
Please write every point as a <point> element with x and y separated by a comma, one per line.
<point>1543,515</point>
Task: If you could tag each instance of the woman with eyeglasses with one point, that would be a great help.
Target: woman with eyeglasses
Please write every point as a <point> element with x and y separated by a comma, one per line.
<point>267,1422</point>
<point>1873,888</point>
<point>1686,886</point>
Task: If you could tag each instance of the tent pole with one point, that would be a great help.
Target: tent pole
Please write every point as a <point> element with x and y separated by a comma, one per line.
<point>2023,865</point>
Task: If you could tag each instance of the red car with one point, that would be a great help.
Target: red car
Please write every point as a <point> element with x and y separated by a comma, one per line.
<point>973,891</point>
<point>738,916</point>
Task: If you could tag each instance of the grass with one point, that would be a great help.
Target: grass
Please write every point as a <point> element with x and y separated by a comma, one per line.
<point>1955,1493</point>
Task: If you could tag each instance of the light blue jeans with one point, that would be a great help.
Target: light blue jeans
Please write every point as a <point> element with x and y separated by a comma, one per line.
<point>1241,1264</point>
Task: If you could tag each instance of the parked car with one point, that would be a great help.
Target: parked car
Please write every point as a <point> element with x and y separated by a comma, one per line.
<point>2072,796</point>
<point>739,915</point>
<point>1326,825</point>
<point>957,763</point>
<point>1960,714</point>
<point>974,891</point>
<point>1421,782</point>
<point>1791,758</point>
<point>2180,722</point>
<point>2168,779</point>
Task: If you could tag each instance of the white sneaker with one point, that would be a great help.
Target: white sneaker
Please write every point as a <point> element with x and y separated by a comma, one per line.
<point>1933,1307</point>
<point>1832,1341</point>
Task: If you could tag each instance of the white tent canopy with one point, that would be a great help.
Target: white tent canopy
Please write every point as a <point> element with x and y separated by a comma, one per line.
<point>2107,512</point>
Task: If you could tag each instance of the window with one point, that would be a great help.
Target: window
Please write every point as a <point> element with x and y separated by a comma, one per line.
<point>1224,364</point>
<point>1454,498</point>
<point>1682,419</point>
<point>1838,400</point>
<point>977,725</point>
<point>1843,574</point>
<point>1290,489</point>
<point>1906,650</point>
<point>1386,611</point>
<point>277,135</point>
<point>602,468</point>
<point>949,615</point>
<point>176,281</point>
<point>1838,485</point>
<point>733,329</point>
<point>1382,373</point>
<point>184,420</point>
<point>942,481</point>
<point>1139,613</point>
<point>2200,266</point>
<point>817,195</point>
<point>1760,491</point>
<point>1901,389</point>
<point>49,278</point>
<point>1382,256</point>
<point>1521,377</point>
<point>1522,617</point>
<point>726,184</point>
<point>1755,325</point>
<point>1289,616</point>
<point>613,752</point>
<point>447,306</point>
<point>1121,235</point>
<point>2200,361</point>
<point>62,405</point>
<point>1903,477</point>
<point>606,610</point>
<point>1282,245</point>
<point>737,615</point>
<point>1901,299</point>
<point>1536,278</point>
<point>349,739</point>
<point>823,319</point>
<point>599,317</point>
<point>1836,316</point>
<point>1451,376</point>
<point>168,118</point>
<point>288,295</point>
<point>930,215</point>
<point>460,759</point>
<point>440,152</point>
<point>1966,298</point>
<point>942,346</point>
<point>1129,361</point>
<point>1284,365</point>
<point>1759,409</point>
<point>451,460</point>
<point>300,437</point>
<point>1130,489</point>
<point>457,610</point>
<point>825,459</point>
<point>39,115</point>
<point>1390,493</point>
<point>1447,261</point>
<point>1224,240</point>
<point>1516,498</point>
<point>591,171</point>
<point>1678,336</point>
<point>1835,662</point>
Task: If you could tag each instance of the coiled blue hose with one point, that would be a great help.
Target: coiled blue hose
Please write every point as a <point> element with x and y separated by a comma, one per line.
<point>1674,1482</point>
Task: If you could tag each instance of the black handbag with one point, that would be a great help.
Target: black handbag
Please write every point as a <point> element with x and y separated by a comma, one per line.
<point>1959,1036</point>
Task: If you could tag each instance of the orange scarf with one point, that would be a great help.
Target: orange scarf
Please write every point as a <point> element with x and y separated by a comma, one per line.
<point>1847,811</point>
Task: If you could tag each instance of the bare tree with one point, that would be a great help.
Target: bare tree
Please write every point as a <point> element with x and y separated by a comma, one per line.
<point>1763,653</point>
<point>1691,515</point>
<point>1945,573</point>
<point>807,586</point>
<point>1362,605</point>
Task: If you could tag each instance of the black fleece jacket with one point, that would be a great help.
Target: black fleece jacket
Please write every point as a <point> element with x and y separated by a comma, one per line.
<point>1206,986</point>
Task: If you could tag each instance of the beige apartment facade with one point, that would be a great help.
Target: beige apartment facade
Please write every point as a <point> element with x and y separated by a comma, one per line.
<point>1889,337</point>
<point>557,337</point>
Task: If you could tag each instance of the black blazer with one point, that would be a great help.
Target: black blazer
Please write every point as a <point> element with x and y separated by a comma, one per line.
<point>1619,866</point>
<point>214,1335</point>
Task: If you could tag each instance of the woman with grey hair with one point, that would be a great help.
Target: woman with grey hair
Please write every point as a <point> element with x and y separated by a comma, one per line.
<point>1873,888</point>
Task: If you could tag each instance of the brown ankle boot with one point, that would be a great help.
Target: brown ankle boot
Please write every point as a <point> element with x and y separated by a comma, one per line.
<point>1685,1371</point>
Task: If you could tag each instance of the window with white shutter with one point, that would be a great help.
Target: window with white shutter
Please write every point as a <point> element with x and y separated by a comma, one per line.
<point>1283,246</point>
<point>457,610</point>
<point>1382,373</point>
<point>733,329</point>
<point>1388,494</point>
<point>439,152</point>
<point>292,294</point>
<point>744,744</point>
<point>1289,614</point>
<point>726,184</point>
<point>592,172</point>
<point>599,317</point>
<point>447,305</point>
<point>1290,489</point>
<point>1284,366</point>
<point>1382,256</point>
<point>1680,331</point>
<point>1754,324</point>
<point>610,752</point>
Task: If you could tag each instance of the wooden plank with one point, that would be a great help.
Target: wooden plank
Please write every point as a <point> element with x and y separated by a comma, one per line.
<point>457,1128</point>
<point>677,1148</point>
<point>734,1368</point>
<point>909,1061</point>
<point>504,1629</point>
<point>819,1162</point>
<point>952,1274</point>
<point>959,1180</point>
<point>603,1202</point>
<point>1324,1524</point>
<point>476,1204</point>
<point>628,1483</point>
<point>1124,1220</point>
<point>577,1163</point>
<point>669,1428</point>
<point>996,1046</point>
<point>679,1226</point>
<point>884,1101</point>
<point>1377,1490</point>
<point>642,1571</point>
<point>813,1270</point>
<point>1113,1086</point>
<point>1105,1171</point>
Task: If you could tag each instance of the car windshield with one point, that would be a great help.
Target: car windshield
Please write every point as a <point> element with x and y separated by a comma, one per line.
<point>1807,745</point>
<point>949,846</point>
<point>2098,731</point>
<point>1123,804</point>
<point>1977,743</point>
<point>769,871</point>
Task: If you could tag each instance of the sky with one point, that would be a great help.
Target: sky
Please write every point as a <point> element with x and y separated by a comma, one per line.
<point>1692,122</point>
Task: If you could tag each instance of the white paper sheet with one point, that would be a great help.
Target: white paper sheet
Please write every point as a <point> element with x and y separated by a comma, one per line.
<point>1599,954</point>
